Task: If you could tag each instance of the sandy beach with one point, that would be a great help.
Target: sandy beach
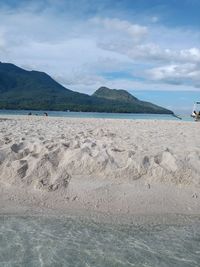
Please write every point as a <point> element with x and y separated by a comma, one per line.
<point>112,167</point>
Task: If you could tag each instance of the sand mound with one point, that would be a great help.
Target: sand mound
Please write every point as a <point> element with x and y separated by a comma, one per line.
<point>48,153</point>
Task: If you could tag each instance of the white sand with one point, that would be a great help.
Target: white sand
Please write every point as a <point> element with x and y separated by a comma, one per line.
<point>99,165</point>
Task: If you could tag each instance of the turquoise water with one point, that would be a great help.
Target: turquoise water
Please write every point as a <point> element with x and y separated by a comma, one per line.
<point>95,115</point>
<point>33,241</point>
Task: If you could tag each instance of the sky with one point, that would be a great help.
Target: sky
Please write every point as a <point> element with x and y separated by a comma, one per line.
<point>149,47</point>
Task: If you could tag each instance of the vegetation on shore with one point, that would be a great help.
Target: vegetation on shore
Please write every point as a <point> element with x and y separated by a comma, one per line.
<point>22,89</point>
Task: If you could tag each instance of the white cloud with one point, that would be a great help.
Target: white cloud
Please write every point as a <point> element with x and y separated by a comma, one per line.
<point>176,73</point>
<point>122,27</point>
<point>139,47</point>
<point>192,54</point>
<point>149,51</point>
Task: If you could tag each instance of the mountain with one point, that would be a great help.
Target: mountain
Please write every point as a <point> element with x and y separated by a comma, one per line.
<point>129,100</point>
<point>22,89</point>
<point>114,94</point>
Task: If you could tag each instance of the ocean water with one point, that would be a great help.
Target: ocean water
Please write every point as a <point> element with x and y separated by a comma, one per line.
<point>39,241</point>
<point>97,115</point>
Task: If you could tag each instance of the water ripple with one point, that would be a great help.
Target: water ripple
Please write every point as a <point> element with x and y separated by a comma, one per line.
<point>32,241</point>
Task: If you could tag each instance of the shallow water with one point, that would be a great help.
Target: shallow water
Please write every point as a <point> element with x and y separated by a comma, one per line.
<point>97,115</point>
<point>33,241</point>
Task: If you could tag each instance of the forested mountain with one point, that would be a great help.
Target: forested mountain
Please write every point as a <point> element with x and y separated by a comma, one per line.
<point>22,89</point>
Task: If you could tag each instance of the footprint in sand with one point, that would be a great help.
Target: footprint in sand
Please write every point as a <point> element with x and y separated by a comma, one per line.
<point>23,169</point>
<point>17,147</point>
<point>166,160</point>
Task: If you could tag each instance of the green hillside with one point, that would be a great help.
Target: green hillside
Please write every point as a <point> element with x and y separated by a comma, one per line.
<point>114,94</point>
<point>21,89</point>
<point>128,100</point>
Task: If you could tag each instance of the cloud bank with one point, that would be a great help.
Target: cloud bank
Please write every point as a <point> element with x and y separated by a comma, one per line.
<point>84,47</point>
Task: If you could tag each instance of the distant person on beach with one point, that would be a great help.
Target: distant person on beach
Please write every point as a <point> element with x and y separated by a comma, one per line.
<point>45,114</point>
<point>30,113</point>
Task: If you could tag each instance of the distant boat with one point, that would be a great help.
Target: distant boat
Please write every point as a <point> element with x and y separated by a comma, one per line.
<point>196,111</point>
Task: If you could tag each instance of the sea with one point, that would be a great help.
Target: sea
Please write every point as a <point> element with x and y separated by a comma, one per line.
<point>130,116</point>
<point>46,241</point>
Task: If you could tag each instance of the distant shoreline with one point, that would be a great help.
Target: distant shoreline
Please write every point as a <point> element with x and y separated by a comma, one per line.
<point>96,114</point>
<point>76,111</point>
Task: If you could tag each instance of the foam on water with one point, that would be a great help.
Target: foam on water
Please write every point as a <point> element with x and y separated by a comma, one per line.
<point>33,241</point>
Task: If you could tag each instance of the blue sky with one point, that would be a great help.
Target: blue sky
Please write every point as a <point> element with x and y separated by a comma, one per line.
<point>149,47</point>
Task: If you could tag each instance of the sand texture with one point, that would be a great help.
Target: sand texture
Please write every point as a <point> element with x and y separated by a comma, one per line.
<point>110,166</point>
